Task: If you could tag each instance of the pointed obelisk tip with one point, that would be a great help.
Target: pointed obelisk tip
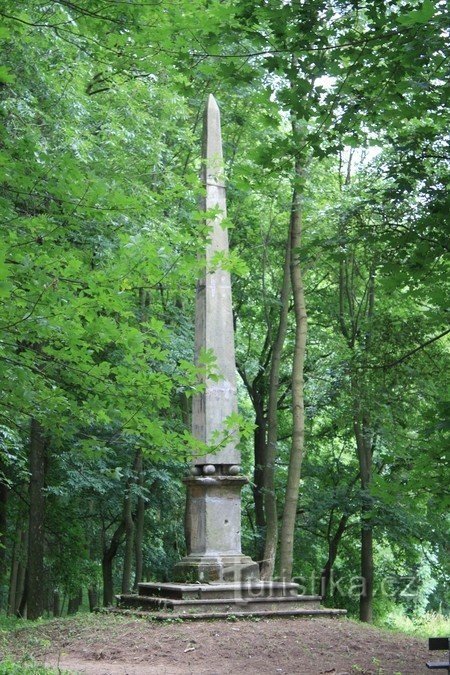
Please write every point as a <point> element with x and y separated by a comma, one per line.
<point>212,137</point>
<point>212,103</point>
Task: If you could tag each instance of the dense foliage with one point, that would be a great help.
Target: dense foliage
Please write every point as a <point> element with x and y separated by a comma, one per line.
<point>337,107</point>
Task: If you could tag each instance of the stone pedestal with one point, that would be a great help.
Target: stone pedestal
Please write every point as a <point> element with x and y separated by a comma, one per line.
<point>221,600</point>
<point>213,528</point>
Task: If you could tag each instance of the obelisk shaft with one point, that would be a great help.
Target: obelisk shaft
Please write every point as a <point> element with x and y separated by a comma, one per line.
<point>213,317</point>
<point>213,505</point>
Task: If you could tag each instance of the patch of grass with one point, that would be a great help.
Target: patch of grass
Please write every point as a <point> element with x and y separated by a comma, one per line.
<point>430,624</point>
<point>27,668</point>
<point>9,623</point>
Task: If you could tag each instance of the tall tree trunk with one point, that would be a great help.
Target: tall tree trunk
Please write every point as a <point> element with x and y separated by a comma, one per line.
<point>363,435</point>
<point>36,519</point>
<point>73,605</point>
<point>22,594</point>
<point>333,545</point>
<point>270,499</point>
<point>18,548</point>
<point>355,337</point>
<point>56,603</point>
<point>298,410</point>
<point>260,449</point>
<point>140,520</point>
<point>129,540</point>
<point>92,597</point>
<point>109,553</point>
<point>13,578</point>
<point>20,600</point>
<point>3,525</point>
<point>129,525</point>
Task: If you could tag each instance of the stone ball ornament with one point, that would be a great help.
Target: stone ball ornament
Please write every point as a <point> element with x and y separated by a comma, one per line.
<point>209,469</point>
<point>234,470</point>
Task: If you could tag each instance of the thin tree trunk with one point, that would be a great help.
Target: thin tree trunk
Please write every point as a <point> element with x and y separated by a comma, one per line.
<point>260,450</point>
<point>361,418</point>
<point>332,554</point>
<point>363,437</point>
<point>3,528</point>
<point>72,606</point>
<point>75,602</point>
<point>92,597</point>
<point>140,519</point>
<point>366,601</point>
<point>298,411</point>
<point>129,540</point>
<point>22,598</point>
<point>109,554</point>
<point>270,499</point>
<point>15,562</point>
<point>56,604</point>
<point>129,526</point>
<point>36,517</point>
<point>21,595</point>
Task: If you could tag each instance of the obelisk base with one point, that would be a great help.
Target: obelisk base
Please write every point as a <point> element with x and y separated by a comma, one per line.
<point>222,600</point>
<point>213,531</point>
<point>216,569</point>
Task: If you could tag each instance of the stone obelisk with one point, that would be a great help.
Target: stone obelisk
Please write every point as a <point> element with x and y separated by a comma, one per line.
<point>213,512</point>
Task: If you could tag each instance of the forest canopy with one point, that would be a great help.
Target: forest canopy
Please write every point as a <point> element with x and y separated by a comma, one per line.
<point>336,135</point>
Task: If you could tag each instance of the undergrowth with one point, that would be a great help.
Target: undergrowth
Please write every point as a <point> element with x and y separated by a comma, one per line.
<point>27,668</point>
<point>430,624</point>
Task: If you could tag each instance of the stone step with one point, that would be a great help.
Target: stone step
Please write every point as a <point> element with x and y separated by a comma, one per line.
<point>229,605</point>
<point>243,589</point>
<point>199,616</point>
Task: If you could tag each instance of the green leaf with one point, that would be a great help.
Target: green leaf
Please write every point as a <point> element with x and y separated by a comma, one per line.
<point>422,15</point>
<point>5,76</point>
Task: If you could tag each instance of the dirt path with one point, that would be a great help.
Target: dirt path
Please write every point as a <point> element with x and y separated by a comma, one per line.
<point>107,645</point>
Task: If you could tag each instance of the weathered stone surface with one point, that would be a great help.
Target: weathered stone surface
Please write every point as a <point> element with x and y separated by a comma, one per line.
<point>219,600</point>
<point>230,605</point>
<point>213,512</point>
<point>213,313</point>
<point>215,569</point>
<point>247,589</point>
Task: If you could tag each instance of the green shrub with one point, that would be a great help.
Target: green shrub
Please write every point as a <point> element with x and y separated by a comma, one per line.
<point>26,668</point>
<point>429,624</point>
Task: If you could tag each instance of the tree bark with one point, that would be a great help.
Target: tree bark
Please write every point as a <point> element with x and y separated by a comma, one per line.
<point>129,540</point>
<point>140,520</point>
<point>129,525</point>
<point>260,449</point>
<point>3,528</point>
<point>20,599</point>
<point>36,520</point>
<point>22,594</point>
<point>75,601</point>
<point>56,604</point>
<point>109,554</point>
<point>298,411</point>
<point>352,332</point>
<point>72,606</point>
<point>92,597</point>
<point>363,435</point>
<point>18,546</point>
<point>270,499</point>
<point>333,545</point>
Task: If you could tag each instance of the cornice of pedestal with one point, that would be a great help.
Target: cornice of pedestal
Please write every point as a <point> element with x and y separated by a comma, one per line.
<point>215,480</point>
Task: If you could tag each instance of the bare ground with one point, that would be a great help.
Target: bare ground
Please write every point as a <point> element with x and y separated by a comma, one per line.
<point>104,645</point>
